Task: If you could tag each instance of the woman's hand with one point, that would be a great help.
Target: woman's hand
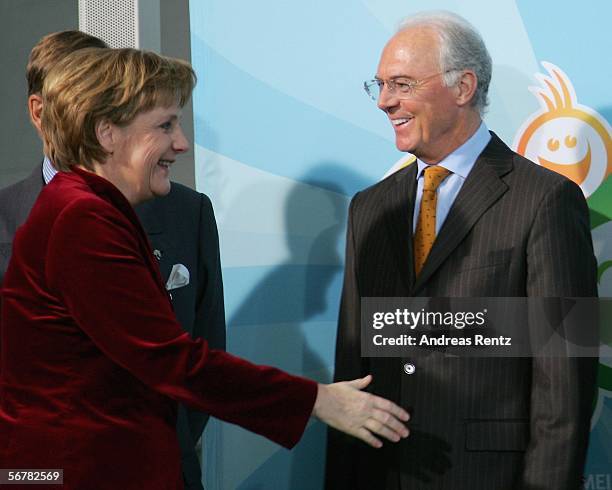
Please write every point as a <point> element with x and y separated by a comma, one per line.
<point>345,407</point>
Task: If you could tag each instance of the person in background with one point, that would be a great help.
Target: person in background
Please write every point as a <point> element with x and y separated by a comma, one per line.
<point>93,359</point>
<point>470,218</point>
<point>180,226</point>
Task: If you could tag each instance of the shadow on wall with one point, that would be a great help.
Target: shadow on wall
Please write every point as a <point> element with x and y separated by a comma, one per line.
<point>298,289</point>
<point>297,295</point>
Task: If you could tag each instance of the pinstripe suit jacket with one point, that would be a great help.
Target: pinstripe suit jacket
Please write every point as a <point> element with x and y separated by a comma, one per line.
<point>515,229</point>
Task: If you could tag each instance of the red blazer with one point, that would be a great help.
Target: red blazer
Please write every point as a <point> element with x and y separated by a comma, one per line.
<point>93,359</point>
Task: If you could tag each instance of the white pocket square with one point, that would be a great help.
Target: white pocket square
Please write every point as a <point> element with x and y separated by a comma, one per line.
<point>179,277</point>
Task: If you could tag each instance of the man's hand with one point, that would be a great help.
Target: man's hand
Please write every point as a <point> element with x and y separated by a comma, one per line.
<point>345,407</point>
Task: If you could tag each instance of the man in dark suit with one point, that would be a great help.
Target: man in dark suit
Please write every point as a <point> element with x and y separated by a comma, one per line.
<point>470,218</point>
<point>181,228</point>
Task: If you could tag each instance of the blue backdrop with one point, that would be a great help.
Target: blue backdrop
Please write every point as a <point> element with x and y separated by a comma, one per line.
<point>285,136</point>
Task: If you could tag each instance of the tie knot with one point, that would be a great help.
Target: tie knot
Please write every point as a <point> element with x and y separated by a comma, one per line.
<point>434,175</point>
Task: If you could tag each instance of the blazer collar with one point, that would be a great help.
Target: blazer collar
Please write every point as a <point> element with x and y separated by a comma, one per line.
<point>26,196</point>
<point>482,188</point>
<point>150,216</point>
<point>107,191</point>
<point>35,180</point>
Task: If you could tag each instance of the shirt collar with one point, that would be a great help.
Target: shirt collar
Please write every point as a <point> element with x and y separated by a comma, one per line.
<point>48,170</point>
<point>461,161</point>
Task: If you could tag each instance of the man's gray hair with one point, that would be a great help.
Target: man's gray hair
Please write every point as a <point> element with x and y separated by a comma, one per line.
<point>461,48</point>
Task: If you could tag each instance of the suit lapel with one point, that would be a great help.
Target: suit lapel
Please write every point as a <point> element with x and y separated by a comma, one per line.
<point>150,216</point>
<point>108,191</point>
<point>399,202</point>
<point>481,190</point>
<point>151,259</point>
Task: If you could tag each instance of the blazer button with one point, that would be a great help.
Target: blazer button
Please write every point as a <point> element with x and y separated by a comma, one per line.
<point>409,368</point>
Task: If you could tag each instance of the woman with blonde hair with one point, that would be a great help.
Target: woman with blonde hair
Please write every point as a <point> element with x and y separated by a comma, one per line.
<point>93,359</point>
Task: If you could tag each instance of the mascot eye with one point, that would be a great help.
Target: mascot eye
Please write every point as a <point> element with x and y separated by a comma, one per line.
<point>570,141</point>
<point>553,144</point>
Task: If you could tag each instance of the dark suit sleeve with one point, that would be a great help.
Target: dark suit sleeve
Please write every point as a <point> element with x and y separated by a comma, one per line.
<point>190,464</point>
<point>342,449</point>
<point>560,263</point>
<point>16,201</point>
<point>210,311</point>
<point>209,320</point>
<point>5,253</point>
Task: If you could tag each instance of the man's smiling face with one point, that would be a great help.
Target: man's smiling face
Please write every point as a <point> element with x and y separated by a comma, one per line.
<point>425,120</point>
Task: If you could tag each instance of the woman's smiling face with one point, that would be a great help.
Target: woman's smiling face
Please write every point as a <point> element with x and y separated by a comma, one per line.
<point>143,151</point>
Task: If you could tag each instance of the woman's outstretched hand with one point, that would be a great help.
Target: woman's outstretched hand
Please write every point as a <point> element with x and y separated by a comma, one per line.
<point>345,407</point>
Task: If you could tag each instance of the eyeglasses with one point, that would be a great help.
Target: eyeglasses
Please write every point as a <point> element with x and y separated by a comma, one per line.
<point>401,87</point>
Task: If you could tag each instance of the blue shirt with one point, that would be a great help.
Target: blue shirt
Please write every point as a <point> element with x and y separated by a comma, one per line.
<point>48,170</point>
<point>460,163</point>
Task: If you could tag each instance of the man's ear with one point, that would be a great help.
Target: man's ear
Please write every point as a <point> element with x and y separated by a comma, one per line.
<point>467,84</point>
<point>106,134</point>
<point>35,105</point>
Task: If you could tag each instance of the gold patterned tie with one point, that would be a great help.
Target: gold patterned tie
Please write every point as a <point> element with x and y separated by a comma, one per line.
<point>425,233</point>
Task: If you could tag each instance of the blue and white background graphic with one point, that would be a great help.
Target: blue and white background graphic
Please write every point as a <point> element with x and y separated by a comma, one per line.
<point>285,135</point>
